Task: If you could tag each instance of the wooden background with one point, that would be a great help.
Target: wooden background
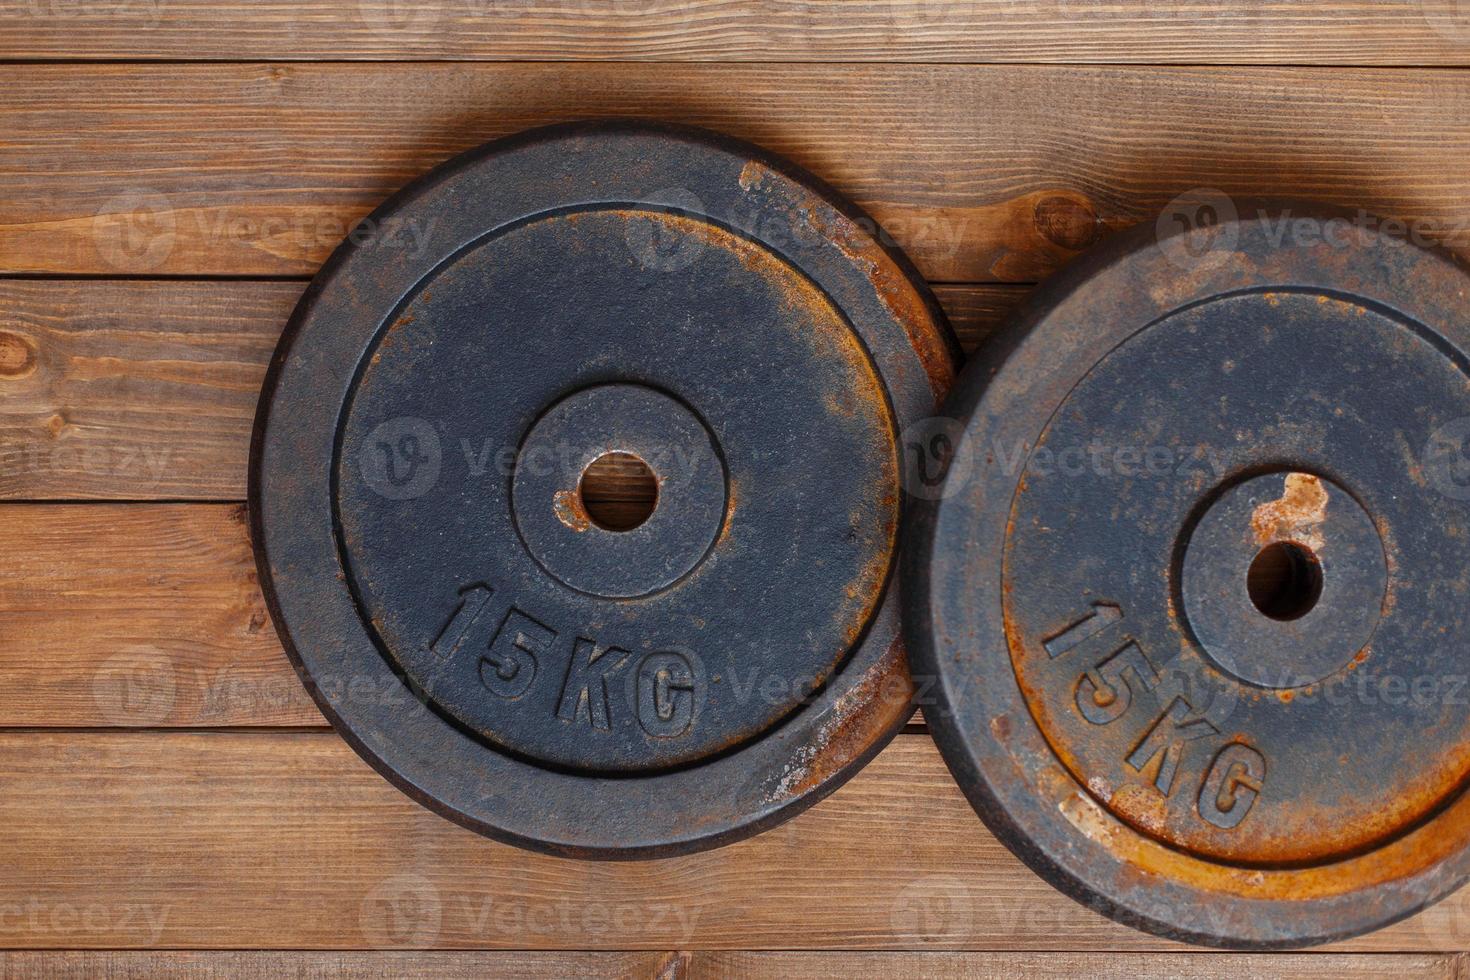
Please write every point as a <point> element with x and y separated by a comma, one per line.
<point>172,172</point>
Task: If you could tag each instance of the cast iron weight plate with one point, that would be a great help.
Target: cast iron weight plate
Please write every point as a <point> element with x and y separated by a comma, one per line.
<point>1195,597</point>
<point>460,616</point>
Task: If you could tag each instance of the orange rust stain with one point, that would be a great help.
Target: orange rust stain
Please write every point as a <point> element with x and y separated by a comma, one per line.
<point>570,510</point>
<point>1331,836</point>
<point>1014,640</point>
<point>839,403</point>
<point>1034,697</point>
<point>1141,805</point>
<point>893,288</point>
<point>901,299</point>
<point>865,586</point>
<point>1297,516</point>
<point>732,505</point>
<point>1108,816</point>
<point>1414,853</point>
<point>753,174</point>
<point>1391,560</point>
<point>877,703</point>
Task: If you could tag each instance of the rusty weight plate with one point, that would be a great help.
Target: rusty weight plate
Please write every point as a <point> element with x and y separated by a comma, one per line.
<point>690,311</point>
<point>1193,603</point>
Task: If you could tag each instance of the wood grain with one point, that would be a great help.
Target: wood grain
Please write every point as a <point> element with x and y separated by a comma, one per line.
<point>417,965</point>
<point>1025,145</point>
<point>717,965</point>
<point>132,390</point>
<point>289,841</point>
<point>712,965</point>
<point>138,617</point>
<point>129,390</point>
<point>984,173</point>
<point>974,312</point>
<point>1397,32</point>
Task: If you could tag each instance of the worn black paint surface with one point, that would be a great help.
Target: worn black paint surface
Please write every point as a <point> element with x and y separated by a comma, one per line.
<point>1112,700</point>
<point>460,618</point>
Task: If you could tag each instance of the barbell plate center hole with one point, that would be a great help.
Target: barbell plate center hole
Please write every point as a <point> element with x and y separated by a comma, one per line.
<point>1284,580</point>
<point>619,491</point>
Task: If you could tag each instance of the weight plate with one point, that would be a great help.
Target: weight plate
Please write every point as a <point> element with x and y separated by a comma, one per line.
<point>699,316</point>
<point>1194,595</point>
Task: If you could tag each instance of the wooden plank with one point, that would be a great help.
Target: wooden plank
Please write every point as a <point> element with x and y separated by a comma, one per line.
<point>716,965</point>
<point>712,965</point>
<point>132,390</point>
<point>1407,32</point>
<point>418,965</point>
<point>984,173</point>
<point>122,389</point>
<point>138,616</point>
<point>222,840</point>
